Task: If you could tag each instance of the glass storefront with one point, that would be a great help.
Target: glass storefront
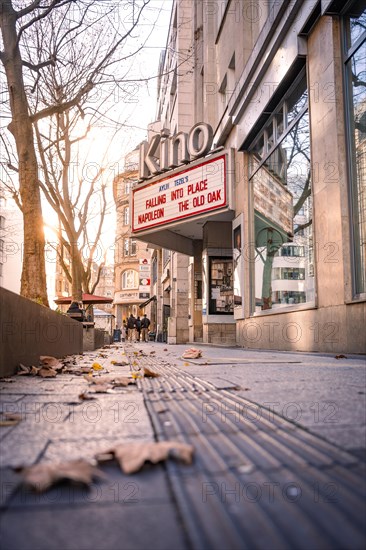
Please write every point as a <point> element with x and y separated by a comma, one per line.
<point>281,186</point>
<point>355,70</point>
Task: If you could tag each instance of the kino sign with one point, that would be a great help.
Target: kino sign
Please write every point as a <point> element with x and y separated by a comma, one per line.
<point>165,152</point>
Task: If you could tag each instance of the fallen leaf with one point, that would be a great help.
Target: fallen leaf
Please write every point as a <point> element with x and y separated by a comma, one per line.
<point>150,374</point>
<point>42,476</point>
<point>49,361</point>
<point>136,375</point>
<point>99,379</point>
<point>34,370</point>
<point>97,366</point>
<point>85,396</point>
<point>120,381</point>
<point>121,363</point>
<point>8,380</point>
<point>192,353</point>
<point>16,417</point>
<point>341,356</point>
<point>22,369</point>
<point>47,372</point>
<point>132,456</point>
<point>186,364</point>
<point>152,352</point>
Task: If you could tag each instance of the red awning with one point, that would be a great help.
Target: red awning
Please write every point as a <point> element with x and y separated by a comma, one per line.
<point>87,299</point>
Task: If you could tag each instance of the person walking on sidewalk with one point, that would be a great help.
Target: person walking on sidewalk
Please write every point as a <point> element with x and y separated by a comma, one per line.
<point>138,328</point>
<point>145,323</point>
<point>131,328</point>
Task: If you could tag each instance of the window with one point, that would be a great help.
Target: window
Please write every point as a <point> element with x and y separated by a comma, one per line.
<point>130,279</point>
<point>166,256</point>
<point>154,270</point>
<point>355,71</point>
<point>221,298</point>
<point>133,247</point>
<point>126,215</point>
<point>288,273</point>
<point>126,247</point>
<point>281,182</point>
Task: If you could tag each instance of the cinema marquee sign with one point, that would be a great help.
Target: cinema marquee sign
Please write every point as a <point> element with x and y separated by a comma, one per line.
<point>196,189</point>
<point>192,191</point>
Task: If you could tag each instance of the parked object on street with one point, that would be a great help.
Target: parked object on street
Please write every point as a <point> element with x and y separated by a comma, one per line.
<point>76,312</point>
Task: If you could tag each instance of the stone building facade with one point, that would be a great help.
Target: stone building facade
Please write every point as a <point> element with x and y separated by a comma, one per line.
<point>131,257</point>
<point>254,174</point>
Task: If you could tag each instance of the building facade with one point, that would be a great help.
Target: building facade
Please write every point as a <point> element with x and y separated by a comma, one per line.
<point>254,175</point>
<point>132,258</point>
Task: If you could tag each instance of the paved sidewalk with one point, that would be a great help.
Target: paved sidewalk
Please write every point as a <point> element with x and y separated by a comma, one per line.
<point>279,443</point>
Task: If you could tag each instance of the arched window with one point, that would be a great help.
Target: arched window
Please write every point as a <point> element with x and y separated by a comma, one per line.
<point>130,279</point>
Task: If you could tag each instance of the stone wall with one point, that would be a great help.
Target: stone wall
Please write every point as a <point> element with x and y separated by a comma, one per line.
<point>29,330</point>
<point>219,333</point>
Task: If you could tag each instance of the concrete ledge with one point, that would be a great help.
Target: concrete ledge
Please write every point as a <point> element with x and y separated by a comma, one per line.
<point>29,330</point>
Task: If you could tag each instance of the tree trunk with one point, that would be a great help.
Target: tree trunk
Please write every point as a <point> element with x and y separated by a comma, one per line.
<point>76,270</point>
<point>33,282</point>
<point>267,281</point>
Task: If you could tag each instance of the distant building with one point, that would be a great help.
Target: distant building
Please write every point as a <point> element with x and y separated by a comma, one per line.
<point>132,257</point>
<point>105,287</point>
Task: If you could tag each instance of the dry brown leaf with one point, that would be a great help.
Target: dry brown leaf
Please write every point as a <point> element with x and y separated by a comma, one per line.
<point>120,363</point>
<point>192,353</point>
<point>22,369</point>
<point>85,396</point>
<point>340,356</point>
<point>150,374</point>
<point>97,380</point>
<point>42,476</point>
<point>47,372</point>
<point>34,370</point>
<point>132,456</point>
<point>121,381</point>
<point>12,416</point>
<point>49,361</point>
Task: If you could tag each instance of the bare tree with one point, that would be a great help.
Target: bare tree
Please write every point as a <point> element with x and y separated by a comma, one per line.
<point>55,53</point>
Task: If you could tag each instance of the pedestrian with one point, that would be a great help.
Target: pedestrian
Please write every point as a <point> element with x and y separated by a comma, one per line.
<point>138,328</point>
<point>131,328</point>
<point>145,323</point>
